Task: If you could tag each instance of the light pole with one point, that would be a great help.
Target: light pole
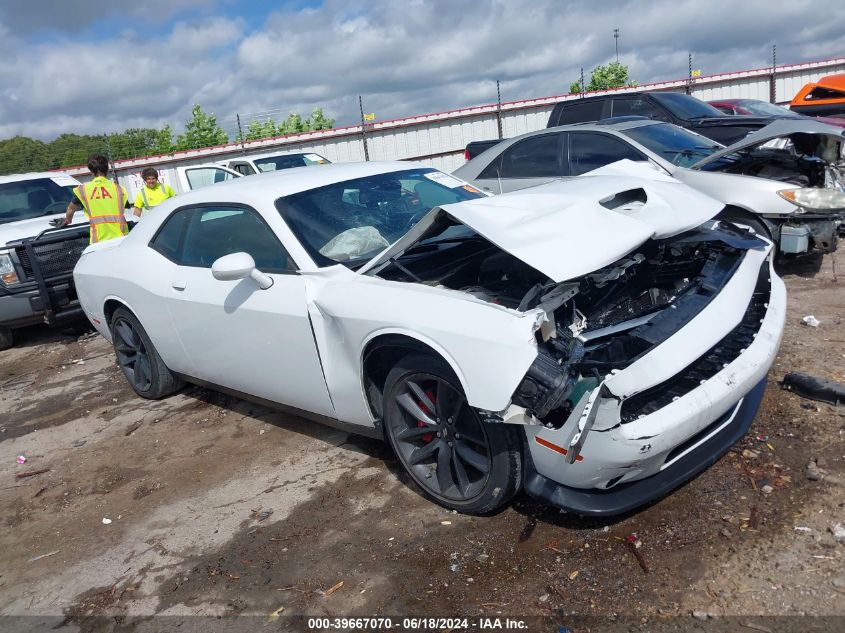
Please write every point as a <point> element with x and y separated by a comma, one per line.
<point>616,42</point>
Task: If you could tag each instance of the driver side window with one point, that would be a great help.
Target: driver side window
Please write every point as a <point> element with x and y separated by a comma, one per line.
<point>199,236</point>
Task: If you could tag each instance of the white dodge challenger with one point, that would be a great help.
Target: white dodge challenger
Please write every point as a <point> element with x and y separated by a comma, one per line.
<point>596,342</point>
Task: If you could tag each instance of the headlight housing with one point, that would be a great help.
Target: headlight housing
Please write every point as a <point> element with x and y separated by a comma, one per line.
<point>813,198</point>
<point>8,275</point>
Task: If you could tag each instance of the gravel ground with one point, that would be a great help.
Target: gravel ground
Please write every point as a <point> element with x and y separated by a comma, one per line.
<point>204,505</point>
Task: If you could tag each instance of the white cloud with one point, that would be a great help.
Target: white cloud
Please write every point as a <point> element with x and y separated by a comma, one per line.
<point>404,58</point>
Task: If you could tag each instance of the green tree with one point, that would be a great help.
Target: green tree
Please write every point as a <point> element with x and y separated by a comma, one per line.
<point>133,142</point>
<point>319,121</point>
<point>201,130</point>
<point>22,154</point>
<point>74,149</point>
<point>164,141</point>
<point>261,129</point>
<point>292,124</point>
<point>613,75</point>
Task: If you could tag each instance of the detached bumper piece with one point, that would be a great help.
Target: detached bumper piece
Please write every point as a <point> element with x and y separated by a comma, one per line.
<point>628,496</point>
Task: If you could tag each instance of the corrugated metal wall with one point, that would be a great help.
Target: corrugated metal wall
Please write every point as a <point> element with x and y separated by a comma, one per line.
<point>439,139</point>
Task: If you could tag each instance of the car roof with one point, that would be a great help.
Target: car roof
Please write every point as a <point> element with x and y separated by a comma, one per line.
<point>271,185</point>
<point>31,176</point>
<point>271,154</point>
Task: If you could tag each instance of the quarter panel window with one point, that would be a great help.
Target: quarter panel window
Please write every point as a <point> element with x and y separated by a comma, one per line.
<point>199,236</point>
<point>205,176</point>
<point>536,157</point>
<point>634,107</point>
<point>588,151</point>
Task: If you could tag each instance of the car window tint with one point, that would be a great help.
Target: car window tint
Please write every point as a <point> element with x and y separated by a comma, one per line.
<point>32,198</point>
<point>824,93</point>
<point>580,112</point>
<point>633,107</point>
<point>535,157</point>
<point>350,222</point>
<point>205,176</point>
<point>588,151</point>
<point>199,236</point>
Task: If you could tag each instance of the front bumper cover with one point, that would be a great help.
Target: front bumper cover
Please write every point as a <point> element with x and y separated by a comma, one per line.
<point>628,496</point>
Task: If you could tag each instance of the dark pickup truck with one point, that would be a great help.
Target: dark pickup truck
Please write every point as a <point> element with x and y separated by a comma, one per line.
<point>672,107</point>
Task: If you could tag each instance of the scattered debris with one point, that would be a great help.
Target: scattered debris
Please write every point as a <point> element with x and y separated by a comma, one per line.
<point>812,471</point>
<point>333,589</point>
<point>20,459</point>
<point>701,615</point>
<point>808,386</point>
<point>544,598</point>
<point>801,528</point>
<point>132,428</point>
<point>811,321</point>
<point>767,489</point>
<point>106,520</point>
<point>756,627</point>
<point>35,558</point>
<point>762,438</point>
<point>573,575</point>
<point>748,454</point>
<point>754,515</point>
<point>809,406</point>
<point>78,443</point>
<point>40,492</point>
<point>528,530</point>
<point>445,523</point>
<point>31,473</point>
<point>264,514</point>
<point>634,544</point>
<point>275,615</point>
<point>838,531</point>
<point>78,361</point>
<point>482,558</point>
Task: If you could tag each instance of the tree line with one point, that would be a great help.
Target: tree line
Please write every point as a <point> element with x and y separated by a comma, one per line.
<point>22,154</point>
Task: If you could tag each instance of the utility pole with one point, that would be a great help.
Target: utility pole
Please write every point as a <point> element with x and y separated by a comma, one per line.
<point>773,93</point>
<point>363,129</point>
<point>689,76</point>
<point>240,133</point>
<point>499,109</point>
<point>583,86</point>
<point>616,42</point>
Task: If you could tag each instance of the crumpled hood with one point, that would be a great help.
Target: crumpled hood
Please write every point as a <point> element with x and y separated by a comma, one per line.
<point>777,129</point>
<point>562,229</point>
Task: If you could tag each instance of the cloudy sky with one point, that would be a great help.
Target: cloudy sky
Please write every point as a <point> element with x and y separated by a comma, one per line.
<point>92,67</point>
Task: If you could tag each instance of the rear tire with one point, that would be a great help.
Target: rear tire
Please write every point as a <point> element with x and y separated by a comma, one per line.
<point>146,373</point>
<point>458,460</point>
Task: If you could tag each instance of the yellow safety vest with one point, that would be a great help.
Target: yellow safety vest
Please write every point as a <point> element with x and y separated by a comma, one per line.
<point>103,203</point>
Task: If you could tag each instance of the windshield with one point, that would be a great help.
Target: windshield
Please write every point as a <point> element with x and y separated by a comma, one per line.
<point>764,108</point>
<point>675,144</point>
<point>286,161</point>
<point>27,199</point>
<point>351,222</point>
<point>685,106</point>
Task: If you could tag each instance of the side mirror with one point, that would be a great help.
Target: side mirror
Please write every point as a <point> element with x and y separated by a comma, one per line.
<point>239,266</point>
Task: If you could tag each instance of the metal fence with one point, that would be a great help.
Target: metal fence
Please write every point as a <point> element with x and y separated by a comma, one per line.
<point>439,139</point>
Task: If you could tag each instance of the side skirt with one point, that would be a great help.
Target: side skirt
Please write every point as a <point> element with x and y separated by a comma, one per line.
<point>375,432</point>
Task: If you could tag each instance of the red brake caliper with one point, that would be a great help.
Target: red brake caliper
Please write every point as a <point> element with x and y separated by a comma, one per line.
<point>428,436</point>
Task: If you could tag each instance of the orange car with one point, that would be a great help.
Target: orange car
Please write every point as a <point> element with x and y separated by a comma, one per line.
<point>826,97</point>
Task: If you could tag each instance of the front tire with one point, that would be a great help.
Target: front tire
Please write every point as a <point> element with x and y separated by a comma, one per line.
<point>458,460</point>
<point>146,373</point>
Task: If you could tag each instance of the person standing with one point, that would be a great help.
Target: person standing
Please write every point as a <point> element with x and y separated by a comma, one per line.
<point>152,194</point>
<point>103,202</point>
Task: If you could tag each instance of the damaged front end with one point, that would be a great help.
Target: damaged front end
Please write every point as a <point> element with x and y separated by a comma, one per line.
<point>652,371</point>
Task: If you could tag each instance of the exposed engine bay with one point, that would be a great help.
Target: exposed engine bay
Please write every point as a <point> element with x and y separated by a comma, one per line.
<point>598,322</point>
<point>806,160</point>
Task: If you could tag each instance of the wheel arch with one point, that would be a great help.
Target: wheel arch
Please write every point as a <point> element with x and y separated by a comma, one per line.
<point>111,304</point>
<point>380,353</point>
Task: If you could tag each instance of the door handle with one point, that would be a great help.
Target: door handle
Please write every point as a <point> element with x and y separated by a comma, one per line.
<point>178,284</point>
<point>486,188</point>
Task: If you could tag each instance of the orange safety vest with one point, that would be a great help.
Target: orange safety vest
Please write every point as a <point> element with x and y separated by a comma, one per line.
<point>103,203</point>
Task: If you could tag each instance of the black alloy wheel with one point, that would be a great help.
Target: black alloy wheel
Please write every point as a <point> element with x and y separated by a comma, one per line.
<point>147,374</point>
<point>460,461</point>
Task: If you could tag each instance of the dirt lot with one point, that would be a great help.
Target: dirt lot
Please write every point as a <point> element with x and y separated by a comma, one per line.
<point>219,507</point>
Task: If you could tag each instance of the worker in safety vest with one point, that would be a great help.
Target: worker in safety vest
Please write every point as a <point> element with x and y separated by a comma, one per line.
<point>152,194</point>
<point>103,202</point>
